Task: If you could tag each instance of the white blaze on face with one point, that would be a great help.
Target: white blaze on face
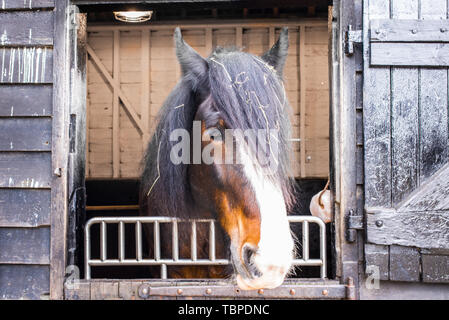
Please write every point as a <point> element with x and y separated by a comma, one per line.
<point>274,254</point>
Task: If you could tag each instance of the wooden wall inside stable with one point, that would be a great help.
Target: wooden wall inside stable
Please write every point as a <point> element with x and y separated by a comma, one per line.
<point>131,71</point>
<point>26,109</point>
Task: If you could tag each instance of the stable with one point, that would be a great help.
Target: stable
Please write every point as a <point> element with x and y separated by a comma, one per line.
<point>367,82</point>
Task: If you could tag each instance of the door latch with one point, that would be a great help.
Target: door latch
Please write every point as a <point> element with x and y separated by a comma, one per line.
<point>352,37</point>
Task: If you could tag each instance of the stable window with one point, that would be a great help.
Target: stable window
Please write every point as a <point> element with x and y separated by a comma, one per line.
<point>130,70</point>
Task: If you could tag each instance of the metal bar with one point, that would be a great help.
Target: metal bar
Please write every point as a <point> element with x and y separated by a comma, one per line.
<point>163,271</point>
<point>323,250</point>
<point>305,240</point>
<point>138,240</point>
<point>163,263</point>
<point>193,241</point>
<point>87,252</point>
<point>103,240</point>
<point>121,241</point>
<point>212,241</point>
<point>157,245</point>
<point>175,243</point>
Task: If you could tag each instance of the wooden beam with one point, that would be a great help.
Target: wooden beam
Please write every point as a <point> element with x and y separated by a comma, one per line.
<point>271,37</point>
<point>116,107</point>
<point>239,37</point>
<point>208,40</point>
<point>145,86</point>
<point>425,229</point>
<point>302,101</point>
<point>60,151</point>
<point>126,103</point>
<point>206,24</point>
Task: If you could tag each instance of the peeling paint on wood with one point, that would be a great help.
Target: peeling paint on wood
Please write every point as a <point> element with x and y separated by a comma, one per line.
<point>435,268</point>
<point>425,229</point>
<point>25,245</point>
<point>24,282</point>
<point>26,4</point>
<point>24,207</point>
<point>25,170</point>
<point>25,134</point>
<point>26,65</point>
<point>404,264</point>
<point>35,28</point>
<point>24,100</point>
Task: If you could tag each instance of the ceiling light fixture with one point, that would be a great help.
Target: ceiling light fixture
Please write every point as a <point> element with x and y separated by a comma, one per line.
<point>133,16</point>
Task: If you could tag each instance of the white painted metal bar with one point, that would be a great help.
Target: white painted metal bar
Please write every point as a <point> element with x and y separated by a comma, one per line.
<point>138,241</point>
<point>157,245</point>
<point>305,240</point>
<point>103,236</point>
<point>121,241</point>
<point>212,240</point>
<point>193,241</point>
<point>175,241</point>
<point>175,260</point>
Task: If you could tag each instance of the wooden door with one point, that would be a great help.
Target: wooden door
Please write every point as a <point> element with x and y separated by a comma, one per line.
<point>405,112</point>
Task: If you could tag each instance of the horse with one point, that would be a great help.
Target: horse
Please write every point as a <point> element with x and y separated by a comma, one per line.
<point>247,191</point>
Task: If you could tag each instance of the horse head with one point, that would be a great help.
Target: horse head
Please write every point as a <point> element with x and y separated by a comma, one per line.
<point>237,164</point>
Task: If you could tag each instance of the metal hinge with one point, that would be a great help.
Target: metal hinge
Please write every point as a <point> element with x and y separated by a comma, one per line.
<point>352,37</point>
<point>354,222</point>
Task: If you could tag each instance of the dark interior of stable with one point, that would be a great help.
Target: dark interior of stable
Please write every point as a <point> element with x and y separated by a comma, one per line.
<point>123,192</point>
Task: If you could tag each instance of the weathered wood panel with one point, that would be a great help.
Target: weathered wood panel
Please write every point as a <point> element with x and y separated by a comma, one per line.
<point>409,54</point>
<point>425,229</point>
<point>434,102</point>
<point>435,268</point>
<point>157,51</point>
<point>25,134</point>
<point>377,119</point>
<point>24,245</point>
<point>378,256</point>
<point>35,28</point>
<point>26,65</point>
<point>26,4</point>
<point>409,30</point>
<point>26,100</point>
<point>25,169</point>
<point>433,195</point>
<point>24,282</point>
<point>404,264</point>
<point>24,207</point>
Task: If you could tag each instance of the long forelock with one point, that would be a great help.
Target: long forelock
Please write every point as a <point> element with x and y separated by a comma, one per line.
<point>249,94</point>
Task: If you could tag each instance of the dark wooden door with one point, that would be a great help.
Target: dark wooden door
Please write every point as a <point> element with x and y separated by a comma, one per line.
<point>405,108</point>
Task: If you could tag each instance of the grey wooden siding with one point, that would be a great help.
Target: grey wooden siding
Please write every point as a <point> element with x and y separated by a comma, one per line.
<point>26,66</point>
<point>406,137</point>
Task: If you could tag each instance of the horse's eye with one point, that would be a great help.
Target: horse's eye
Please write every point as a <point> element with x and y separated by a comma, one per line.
<point>214,134</point>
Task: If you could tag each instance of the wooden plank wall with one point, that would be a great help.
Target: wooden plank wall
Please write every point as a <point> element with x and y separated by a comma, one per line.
<point>406,140</point>
<point>143,63</point>
<point>26,94</point>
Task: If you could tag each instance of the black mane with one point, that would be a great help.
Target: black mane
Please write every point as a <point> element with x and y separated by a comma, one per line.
<point>247,92</point>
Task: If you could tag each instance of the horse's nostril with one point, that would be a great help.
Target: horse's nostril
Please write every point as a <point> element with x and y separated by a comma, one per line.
<point>248,257</point>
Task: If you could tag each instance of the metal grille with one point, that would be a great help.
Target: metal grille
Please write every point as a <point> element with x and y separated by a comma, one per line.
<point>175,260</point>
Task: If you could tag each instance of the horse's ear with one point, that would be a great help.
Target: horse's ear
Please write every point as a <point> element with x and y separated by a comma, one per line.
<point>278,53</point>
<point>192,64</point>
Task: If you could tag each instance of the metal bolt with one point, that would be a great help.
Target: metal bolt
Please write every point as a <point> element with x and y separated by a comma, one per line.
<point>379,223</point>
<point>260,291</point>
<point>414,31</point>
<point>179,291</point>
<point>292,292</point>
<point>443,30</point>
<point>377,31</point>
<point>144,291</point>
<point>325,292</point>
<point>208,291</point>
